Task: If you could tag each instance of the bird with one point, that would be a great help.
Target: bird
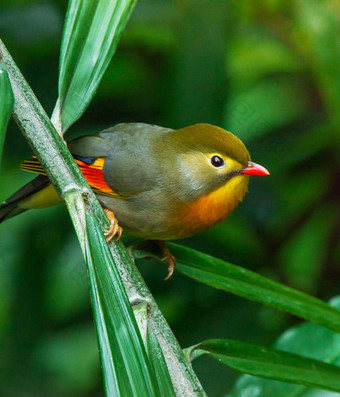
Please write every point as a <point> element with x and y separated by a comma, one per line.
<point>153,182</point>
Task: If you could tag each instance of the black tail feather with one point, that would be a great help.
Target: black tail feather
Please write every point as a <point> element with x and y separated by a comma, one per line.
<point>8,210</point>
<point>10,207</point>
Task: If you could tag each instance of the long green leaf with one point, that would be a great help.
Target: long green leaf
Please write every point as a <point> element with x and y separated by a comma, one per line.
<point>237,280</point>
<point>270,363</point>
<point>6,104</point>
<point>307,340</point>
<point>91,33</point>
<point>155,353</point>
<point>68,180</point>
<point>159,366</point>
<point>127,370</point>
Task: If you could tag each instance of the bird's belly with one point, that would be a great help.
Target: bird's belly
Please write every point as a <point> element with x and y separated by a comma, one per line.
<point>143,216</point>
<point>151,216</point>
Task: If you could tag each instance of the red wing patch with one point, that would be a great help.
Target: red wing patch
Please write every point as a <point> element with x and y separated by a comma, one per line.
<point>93,173</point>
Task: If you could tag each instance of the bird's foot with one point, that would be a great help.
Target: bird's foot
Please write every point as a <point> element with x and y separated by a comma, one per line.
<point>167,257</point>
<point>114,228</point>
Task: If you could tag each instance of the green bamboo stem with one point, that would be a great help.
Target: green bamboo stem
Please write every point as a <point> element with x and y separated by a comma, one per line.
<point>48,145</point>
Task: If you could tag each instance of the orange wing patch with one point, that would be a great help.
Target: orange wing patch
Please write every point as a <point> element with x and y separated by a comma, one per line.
<point>93,173</point>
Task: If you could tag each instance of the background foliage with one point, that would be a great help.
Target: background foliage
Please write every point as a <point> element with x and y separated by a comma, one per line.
<point>267,73</point>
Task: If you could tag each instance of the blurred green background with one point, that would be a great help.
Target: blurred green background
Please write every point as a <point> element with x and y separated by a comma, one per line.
<point>267,71</point>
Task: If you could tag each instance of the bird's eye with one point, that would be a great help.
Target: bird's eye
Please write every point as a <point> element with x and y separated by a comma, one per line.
<point>217,161</point>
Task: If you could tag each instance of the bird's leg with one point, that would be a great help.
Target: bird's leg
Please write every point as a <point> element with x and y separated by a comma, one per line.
<point>114,226</point>
<point>167,257</point>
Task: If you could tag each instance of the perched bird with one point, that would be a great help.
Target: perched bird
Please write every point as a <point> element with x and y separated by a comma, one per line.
<point>160,184</point>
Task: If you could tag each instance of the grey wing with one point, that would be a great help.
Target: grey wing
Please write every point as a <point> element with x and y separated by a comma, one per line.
<point>130,166</point>
<point>128,150</point>
<point>88,146</point>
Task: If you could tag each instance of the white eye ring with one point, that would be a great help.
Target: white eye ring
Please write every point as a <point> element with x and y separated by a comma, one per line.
<point>216,161</point>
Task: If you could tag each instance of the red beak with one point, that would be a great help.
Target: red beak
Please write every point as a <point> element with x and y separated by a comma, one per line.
<point>254,169</point>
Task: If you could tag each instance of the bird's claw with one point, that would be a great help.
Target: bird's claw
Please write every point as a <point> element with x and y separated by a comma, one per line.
<point>172,264</point>
<point>168,257</point>
<point>114,228</point>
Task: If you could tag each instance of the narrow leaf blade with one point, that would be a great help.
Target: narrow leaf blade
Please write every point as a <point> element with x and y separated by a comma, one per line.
<point>155,353</point>
<point>305,339</point>
<point>160,368</point>
<point>271,363</point>
<point>247,284</point>
<point>91,33</point>
<point>127,370</point>
<point>6,104</point>
<point>250,285</point>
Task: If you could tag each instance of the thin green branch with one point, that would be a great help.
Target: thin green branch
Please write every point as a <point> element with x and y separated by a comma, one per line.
<point>44,139</point>
<point>68,180</point>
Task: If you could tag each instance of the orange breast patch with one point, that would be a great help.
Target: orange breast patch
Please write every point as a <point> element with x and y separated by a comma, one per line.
<point>206,211</point>
<point>214,207</point>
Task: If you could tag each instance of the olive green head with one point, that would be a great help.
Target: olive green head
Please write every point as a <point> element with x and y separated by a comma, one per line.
<point>206,158</point>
